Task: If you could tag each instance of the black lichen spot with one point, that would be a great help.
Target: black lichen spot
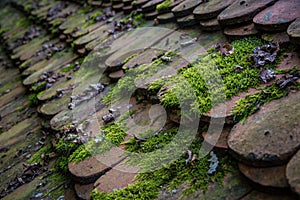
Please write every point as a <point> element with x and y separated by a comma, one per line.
<point>251,156</point>
<point>266,133</point>
<point>269,157</point>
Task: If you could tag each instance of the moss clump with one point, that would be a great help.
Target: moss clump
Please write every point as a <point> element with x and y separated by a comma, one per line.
<point>56,185</point>
<point>152,143</point>
<point>95,14</point>
<point>164,5</point>
<point>137,19</point>
<point>80,154</point>
<point>293,70</point>
<point>67,69</point>
<point>36,158</point>
<point>252,103</point>
<point>33,99</point>
<point>111,135</point>
<point>65,147</point>
<point>114,133</point>
<point>172,175</point>
<point>35,90</point>
<point>126,85</point>
<point>61,164</point>
<point>129,58</point>
<point>199,83</point>
<point>85,10</point>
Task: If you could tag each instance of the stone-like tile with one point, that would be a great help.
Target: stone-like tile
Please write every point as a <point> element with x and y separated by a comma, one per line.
<point>88,171</point>
<point>166,17</point>
<point>225,110</point>
<point>119,177</point>
<point>185,8</point>
<point>278,16</point>
<point>269,137</point>
<point>145,57</point>
<point>210,25</point>
<point>84,191</point>
<point>55,106</point>
<point>242,11</point>
<point>267,196</point>
<point>151,6</point>
<point>233,186</point>
<point>241,31</point>
<point>210,9</point>
<point>293,173</point>
<point>266,176</point>
<point>294,31</point>
<point>55,63</point>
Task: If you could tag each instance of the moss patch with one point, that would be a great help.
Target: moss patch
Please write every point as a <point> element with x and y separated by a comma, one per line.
<point>252,103</point>
<point>36,158</point>
<point>137,19</point>
<point>126,85</point>
<point>56,185</point>
<point>171,176</point>
<point>205,73</point>
<point>67,69</point>
<point>111,135</point>
<point>164,5</point>
<point>35,90</point>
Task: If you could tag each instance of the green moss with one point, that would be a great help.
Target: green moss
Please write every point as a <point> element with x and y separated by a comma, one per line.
<point>67,69</point>
<point>95,14</point>
<point>172,175</point>
<point>80,154</point>
<point>252,103</point>
<point>114,133</point>
<point>85,10</point>
<point>56,186</point>
<point>36,158</point>
<point>65,147</point>
<point>133,3</point>
<point>129,58</point>
<point>126,85</point>
<point>35,90</point>
<point>293,70</point>
<point>23,22</point>
<point>137,18</point>
<point>192,83</point>
<point>164,5</point>
<point>33,99</point>
<point>61,164</point>
<point>37,87</point>
<point>152,143</point>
